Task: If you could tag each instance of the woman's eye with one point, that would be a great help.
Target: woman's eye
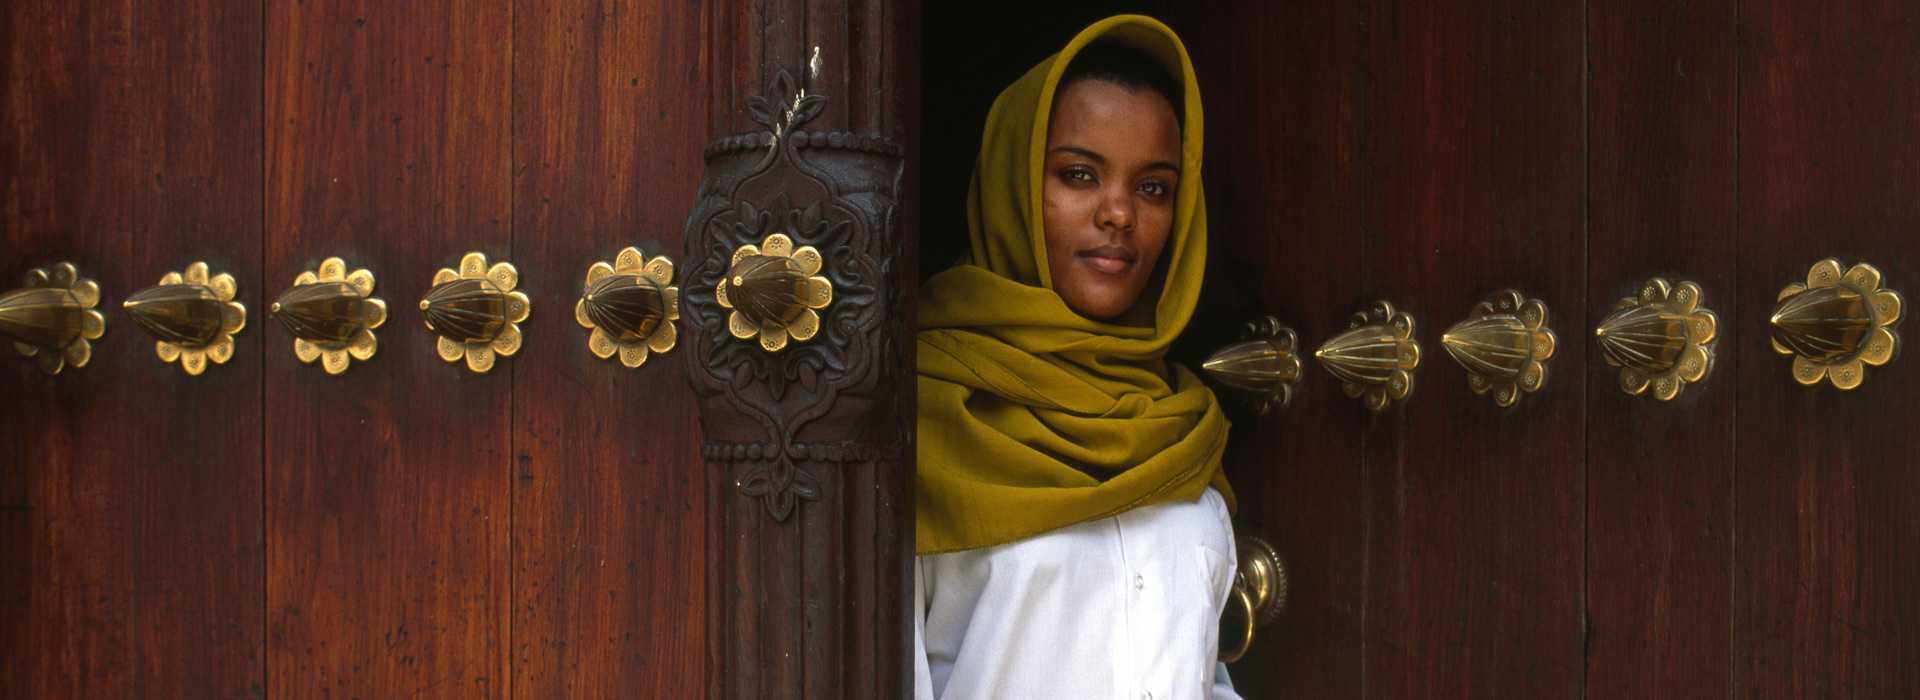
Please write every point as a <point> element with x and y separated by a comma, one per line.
<point>1154,188</point>
<point>1076,175</point>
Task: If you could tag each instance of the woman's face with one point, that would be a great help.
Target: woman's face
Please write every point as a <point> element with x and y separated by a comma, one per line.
<point>1113,165</point>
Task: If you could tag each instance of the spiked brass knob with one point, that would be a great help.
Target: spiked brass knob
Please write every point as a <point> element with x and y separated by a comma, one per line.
<point>1836,324</point>
<point>1661,339</point>
<point>331,315</point>
<point>775,292</point>
<point>1504,344</point>
<point>1375,358</point>
<point>630,305</point>
<point>1264,364</point>
<point>476,311</point>
<point>52,319</point>
<point>192,316</point>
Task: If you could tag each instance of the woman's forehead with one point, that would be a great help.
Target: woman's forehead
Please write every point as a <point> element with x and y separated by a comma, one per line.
<point>1116,122</point>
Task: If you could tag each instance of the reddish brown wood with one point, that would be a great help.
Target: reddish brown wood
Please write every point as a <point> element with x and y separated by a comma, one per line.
<point>1829,161</point>
<point>388,487</point>
<point>66,183</point>
<point>1282,86</point>
<point>132,495</point>
<point>733,63</point>
<point>193,473</point>
<point>610,499</point>
<point>1474,182</point>
<point>1660,475</point>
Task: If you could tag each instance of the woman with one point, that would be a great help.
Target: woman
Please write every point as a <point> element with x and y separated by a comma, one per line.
<point>1072,519</point>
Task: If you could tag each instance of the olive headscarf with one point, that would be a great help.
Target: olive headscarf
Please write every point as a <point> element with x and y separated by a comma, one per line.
<point>1032,417</point>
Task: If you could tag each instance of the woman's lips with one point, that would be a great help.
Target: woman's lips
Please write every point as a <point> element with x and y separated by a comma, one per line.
<point>1113,260</point>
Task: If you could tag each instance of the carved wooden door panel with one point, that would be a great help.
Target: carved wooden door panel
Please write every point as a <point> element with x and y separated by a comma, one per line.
<point>374,517</point>
<point>1682,529</point>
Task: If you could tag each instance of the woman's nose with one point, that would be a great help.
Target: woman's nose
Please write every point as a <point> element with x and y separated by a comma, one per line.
<point>1116,211</point>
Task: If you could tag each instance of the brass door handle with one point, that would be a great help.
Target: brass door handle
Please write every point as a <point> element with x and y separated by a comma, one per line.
<point>331,315</point>
<point>630,306</point>
<point>1259,587</point>
<point>1504,344</point>
<point>192,316</point>
<point>1265,364</point>
<point>1375,358</point>
<point>775,292</point>
<point>476,311</point>
<point>1661,339</point>
<point>52,319</point>
<point>1836,324</point>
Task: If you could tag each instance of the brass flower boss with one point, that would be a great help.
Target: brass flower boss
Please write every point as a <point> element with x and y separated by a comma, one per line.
<point>192,316</point>
<point>52,319</point>
<point>775,292</point>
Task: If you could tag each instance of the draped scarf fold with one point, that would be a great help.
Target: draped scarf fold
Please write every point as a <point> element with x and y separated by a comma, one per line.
<point>1032,417</point>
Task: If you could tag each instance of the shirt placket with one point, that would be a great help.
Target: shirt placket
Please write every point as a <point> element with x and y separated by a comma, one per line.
<point>1133,587</point>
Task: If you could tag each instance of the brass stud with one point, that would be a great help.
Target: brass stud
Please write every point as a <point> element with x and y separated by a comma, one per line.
<point>1837,324</point>
<point>1265,364</point>
<point>192,315</point>
<point>630,305</point>
<point>775,292</point>
<point>331,314</point>
<point>1375,358</point>
<point>1504,344</point>
<point>52,318</point>
<point>1662,339</point>
<point>476,311</point>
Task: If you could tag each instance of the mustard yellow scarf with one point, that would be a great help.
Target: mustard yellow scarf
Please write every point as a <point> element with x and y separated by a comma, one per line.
<point>1032,417</point>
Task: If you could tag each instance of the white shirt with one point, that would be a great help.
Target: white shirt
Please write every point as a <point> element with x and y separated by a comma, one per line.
<point>1123,608</point>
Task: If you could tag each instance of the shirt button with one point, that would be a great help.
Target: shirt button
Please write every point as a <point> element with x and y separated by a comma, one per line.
<point>1139,584</point>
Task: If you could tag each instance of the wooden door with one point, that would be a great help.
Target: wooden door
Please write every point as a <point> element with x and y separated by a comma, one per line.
<point>407,528</point>
<point>1745,538</point>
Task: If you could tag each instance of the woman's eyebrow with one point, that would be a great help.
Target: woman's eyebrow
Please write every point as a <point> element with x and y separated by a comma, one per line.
<point>1082,152</point>
<point>1102,160</point>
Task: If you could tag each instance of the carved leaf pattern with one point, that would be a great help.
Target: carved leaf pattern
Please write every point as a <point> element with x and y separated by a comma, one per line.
<point>788,390</point>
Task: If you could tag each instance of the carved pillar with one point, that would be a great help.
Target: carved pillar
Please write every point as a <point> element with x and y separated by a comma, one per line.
<point>797,302</point>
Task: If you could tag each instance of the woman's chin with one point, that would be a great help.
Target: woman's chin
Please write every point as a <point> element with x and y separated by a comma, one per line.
<point>1101,307</point>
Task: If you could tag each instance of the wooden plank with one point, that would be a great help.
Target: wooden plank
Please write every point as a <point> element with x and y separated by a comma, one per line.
<point>609,499</point>
<point>193,471</point>
<point>1474,183</point>
<point>133,158</point>
<point>68,580</point>
<point>1660,474</point>
<point>733,67</point>
<point>388,487</point>
<point>1282,87</point>
<point>1829,161</point>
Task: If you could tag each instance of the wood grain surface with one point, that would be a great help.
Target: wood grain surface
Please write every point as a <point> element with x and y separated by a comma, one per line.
<point>407,529</point>
<point>1743,540</point>
<point>388,488</point>
<point>1824,528</point>
<point>1660,474</point>
<point>131,501</point>
<point>609,506</point>
<point>1475,184</point>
